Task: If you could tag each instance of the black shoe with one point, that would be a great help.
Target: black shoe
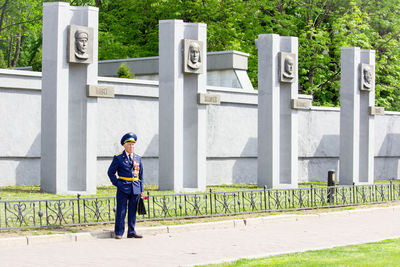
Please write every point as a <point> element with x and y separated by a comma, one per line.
<point>134,236</point>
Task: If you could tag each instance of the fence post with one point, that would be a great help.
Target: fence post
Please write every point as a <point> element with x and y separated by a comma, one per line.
<point>211,207</point>
<point>286,199</point>
<point>354,193</point>
<point>148,204</point>
<point>47,213</point>
<point>265,197</point>
<point>234,202</point>
<point>331,186</point>
<point>312,197</point>
<point>391,191</point>
<point>79,208</point>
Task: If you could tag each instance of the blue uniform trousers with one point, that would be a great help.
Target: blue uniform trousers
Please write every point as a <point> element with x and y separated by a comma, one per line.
<point>123,201</point>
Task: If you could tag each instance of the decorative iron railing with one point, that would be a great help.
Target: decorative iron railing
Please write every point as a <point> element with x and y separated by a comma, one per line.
<point>84,211</point>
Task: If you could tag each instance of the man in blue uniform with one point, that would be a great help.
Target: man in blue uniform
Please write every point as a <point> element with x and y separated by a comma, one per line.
<point>129,183</point>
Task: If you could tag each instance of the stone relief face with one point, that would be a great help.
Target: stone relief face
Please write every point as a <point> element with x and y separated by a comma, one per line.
<point>367,78</point>
<point>81,43</point>
<point>192,56</point>
<point>194,53</point>
<point>194,61</point>
<point>287,69</point>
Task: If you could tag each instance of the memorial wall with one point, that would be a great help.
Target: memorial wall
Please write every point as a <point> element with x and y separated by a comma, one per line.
<point>198,119</point>
<point>231,133</point>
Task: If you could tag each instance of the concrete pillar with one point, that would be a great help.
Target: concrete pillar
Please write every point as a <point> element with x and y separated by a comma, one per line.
<point>277,121</point>
<point>182,122</point>
<point>356,120</point>
<point>68,131</point>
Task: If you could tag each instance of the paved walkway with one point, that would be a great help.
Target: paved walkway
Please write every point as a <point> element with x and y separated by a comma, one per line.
<point>215,242</point>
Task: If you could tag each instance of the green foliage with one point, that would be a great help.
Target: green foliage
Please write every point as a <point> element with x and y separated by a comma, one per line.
<point>129,29</point>
<point>36,61</point>
<point>124,71</point>
<point>3,64</point>
<point>20,21</point>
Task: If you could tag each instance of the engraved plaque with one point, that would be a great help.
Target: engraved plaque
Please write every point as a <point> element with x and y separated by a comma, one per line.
<point>208,99</point>
<point>287,67</point>
<point>376,111</point>
<point>301,104</point>
<point>193,56</point>
<point>367,75</point>
<point>80,44</point>
<point>100,91</point>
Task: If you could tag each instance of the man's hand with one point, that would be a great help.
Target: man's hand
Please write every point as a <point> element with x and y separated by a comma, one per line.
<point>141,194</point>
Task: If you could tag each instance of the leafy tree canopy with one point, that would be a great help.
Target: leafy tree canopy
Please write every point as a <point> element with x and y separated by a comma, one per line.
<point>129,28</point>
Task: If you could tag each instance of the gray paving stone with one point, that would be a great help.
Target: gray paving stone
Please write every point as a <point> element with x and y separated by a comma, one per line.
<point>41,239</point>
<point>212,242</point>
<point>13,241</point>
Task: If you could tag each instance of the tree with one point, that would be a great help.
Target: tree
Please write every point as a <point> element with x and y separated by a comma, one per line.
<point>17,18</point>
<point>124,72</point>
<point>129,28</point>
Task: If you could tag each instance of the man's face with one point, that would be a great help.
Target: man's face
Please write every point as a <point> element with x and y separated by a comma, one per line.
<point>194,54</point>
<point>289,65</point>
<point>367,76</point>
<point>129,147</point>
<point>81,43</point>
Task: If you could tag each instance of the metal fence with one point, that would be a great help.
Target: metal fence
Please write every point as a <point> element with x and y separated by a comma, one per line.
<point>84,211</point>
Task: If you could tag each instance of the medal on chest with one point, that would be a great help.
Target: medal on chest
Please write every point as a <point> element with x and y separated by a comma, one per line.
<point>135,169</point>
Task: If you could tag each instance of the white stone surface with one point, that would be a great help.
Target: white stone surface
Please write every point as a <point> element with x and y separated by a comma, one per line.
<point>316,168</point>
<point>68,127</point>
<point>20,171</point>
<point>28,80</point>
<point>127,114</point>
<point>231,133</point>
<point>231,171</point>
<point>225,68</point>
<point>277,121</point>
<point>319,133</point>
<point>357,129</point>
<point>182,122</point>
<point>387,136</point>
<point>20,133</point>
<point>229,123</point>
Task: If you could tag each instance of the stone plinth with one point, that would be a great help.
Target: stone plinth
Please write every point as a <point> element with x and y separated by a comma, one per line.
<point>356,122</point>
<point>182,122</point>
<point>68,131</point>
<point>277,121</point>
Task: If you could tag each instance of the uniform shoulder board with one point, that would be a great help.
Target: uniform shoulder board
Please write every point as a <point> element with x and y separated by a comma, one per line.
<point>118,154</point>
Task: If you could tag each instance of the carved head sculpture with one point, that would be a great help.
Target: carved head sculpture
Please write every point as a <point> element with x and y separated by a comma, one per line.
<point>288,67</point>
<point>194,61</point>
<point>367,75</point>
<point>81,43</point>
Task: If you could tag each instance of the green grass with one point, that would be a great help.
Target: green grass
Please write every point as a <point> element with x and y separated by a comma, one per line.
<point>33,192</point>
<point>384,253</point>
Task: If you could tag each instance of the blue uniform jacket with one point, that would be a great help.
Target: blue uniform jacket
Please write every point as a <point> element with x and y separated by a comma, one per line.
<point>124,168</point>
